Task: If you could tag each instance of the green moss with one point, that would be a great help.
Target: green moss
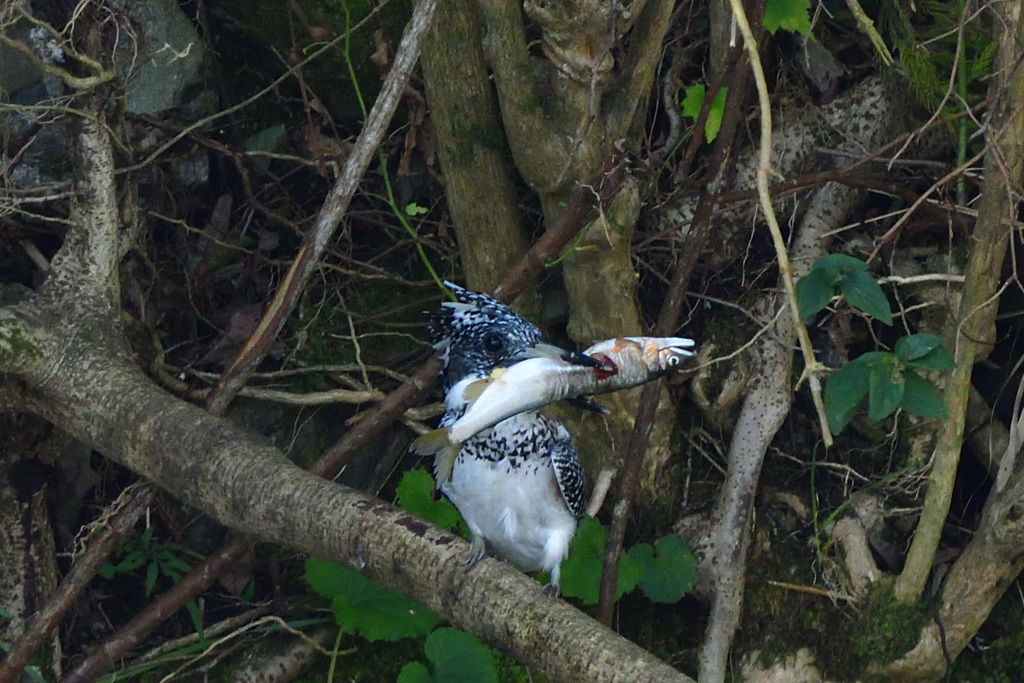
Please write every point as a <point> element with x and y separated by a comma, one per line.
<point>887,629</point>
<point>16,343</point>
<point>778,622</point>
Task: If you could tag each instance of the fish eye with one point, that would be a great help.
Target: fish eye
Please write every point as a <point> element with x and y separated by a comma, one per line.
<point>673,361</point>
<point>493,342</point>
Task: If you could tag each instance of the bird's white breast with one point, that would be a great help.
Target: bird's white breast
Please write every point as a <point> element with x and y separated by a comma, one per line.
<point>514,502</point>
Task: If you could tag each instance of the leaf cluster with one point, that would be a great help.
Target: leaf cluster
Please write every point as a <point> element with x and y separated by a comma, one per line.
<point>890,381</point>
<point>664,571</point>
<point>160,559</point>
<point>850,275</point>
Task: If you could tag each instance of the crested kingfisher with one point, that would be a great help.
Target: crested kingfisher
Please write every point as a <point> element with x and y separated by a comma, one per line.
<point>519,485</point>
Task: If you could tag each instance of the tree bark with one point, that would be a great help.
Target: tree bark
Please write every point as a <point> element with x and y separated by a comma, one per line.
<point>1004,162</point>
<point>478,173</point>
<point>81,379</point>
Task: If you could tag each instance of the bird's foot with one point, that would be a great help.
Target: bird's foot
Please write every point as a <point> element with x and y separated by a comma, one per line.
<point>552,590</point>
<point>476,551</point>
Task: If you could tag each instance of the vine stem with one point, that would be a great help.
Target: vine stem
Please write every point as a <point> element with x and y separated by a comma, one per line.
<point>813,369</point>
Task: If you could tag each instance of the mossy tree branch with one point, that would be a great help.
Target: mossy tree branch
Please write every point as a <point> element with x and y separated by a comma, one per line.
<point>1004,162</point>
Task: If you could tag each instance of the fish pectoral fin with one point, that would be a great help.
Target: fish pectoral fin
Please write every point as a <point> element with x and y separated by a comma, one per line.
<point>436,443</point>
<point>474,389</point>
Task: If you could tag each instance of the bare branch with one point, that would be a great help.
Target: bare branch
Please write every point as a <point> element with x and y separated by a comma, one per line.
<point>331,213</point>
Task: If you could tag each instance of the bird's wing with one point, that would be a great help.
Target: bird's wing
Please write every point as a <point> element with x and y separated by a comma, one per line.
<point>569,475</point>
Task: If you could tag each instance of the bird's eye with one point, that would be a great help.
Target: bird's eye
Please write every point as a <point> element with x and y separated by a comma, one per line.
<point>494,342</point>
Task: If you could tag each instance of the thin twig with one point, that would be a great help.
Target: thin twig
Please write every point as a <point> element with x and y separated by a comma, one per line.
<point>331,213</point>
<point>813,369</point>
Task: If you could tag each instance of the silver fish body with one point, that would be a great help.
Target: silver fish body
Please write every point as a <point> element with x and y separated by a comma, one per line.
<point>531,383</point>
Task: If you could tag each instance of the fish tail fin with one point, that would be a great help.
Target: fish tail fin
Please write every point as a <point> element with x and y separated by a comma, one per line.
<point>436,443</point>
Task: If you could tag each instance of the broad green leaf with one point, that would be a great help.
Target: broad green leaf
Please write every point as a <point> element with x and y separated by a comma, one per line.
<point>416,494</point>
<point>920,397</point>
<point>844,391</point>
<point>714,121</point>
<point>789,15</point>
<point>862,292</point>
<point>457,656</point>
<point>415,672</point>
<point>915,346</point>
<point>366,608</point>
<point>814,291</point>
<point>885,390</point>
<point>936,359</point>
<point>693,102</point>
<point>581,571</point>
<point>839,265</point>
<point>669,569</point>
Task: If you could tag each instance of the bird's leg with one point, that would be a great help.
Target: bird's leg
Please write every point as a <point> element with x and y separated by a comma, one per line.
<point>476,550</point>
<point>552,590</point>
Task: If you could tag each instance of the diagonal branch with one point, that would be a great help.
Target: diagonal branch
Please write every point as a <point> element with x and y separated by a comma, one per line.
<point>331,213</point>
<point>96,393</point>
<point>376,421</point>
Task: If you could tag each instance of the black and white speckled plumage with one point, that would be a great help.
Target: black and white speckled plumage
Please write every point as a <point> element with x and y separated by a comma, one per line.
<point>519,485</point>
<point>477,334</point>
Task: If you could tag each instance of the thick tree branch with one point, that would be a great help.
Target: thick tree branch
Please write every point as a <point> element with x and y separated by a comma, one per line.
<point>92,390</point>
<point>532,139</point>
<point>1004,161</point>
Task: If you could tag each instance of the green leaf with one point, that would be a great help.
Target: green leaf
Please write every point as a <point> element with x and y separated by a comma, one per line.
<point>715,112</point>
<point>669,569</point>
<point>457,656</point>
<point>814,291</point>
<point>936,359</point>
<point>581,571</point>
<point>920,397</point>
<point>915,346</point>
<point>885,390</point>
<point>107,571</point>
<point>366,608</point>
<point>415,672</point>
<point>789,15</point>
<point>693,102</point>
<point>844,391</point>
<point>839,265</point>
<point>197,618</point>
<point>416,494</point>
<point>862,292</point>
<point>414,209</point>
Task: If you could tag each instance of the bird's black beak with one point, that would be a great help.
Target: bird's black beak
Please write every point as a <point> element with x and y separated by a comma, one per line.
<point>544,350</point>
